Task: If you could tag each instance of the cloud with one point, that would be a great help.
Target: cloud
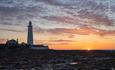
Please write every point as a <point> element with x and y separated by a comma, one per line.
<point>54,42</point>
<point>83,30</point>
<point>77,12</point>
<point>61,19</point>
<point>84,17</point>
<point>17,12</point>
<point>12,30</point>
<point>61,40</point>
<point>9,23</point>
<point>97,19</point>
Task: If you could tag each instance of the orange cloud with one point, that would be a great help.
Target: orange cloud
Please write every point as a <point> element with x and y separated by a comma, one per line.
<point>83,30</point>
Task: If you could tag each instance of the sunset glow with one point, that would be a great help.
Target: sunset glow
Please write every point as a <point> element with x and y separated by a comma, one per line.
<point>88,49</point>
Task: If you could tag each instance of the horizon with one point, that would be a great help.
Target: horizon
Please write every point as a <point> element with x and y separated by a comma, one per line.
<point>62,25</point>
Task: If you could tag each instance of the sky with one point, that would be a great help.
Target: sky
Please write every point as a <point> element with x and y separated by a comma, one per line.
<point>60,24</point>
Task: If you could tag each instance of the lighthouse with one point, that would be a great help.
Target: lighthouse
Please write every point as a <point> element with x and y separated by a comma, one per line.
<point>30,34</point>
<point>30,39</point>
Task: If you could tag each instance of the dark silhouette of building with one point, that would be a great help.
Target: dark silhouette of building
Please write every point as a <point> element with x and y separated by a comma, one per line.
<point>11,42</point>
<point>15,44</point>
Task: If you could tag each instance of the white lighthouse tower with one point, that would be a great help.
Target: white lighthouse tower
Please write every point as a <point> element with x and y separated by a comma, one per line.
<point>30,34</point>
<point>30,39</point>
